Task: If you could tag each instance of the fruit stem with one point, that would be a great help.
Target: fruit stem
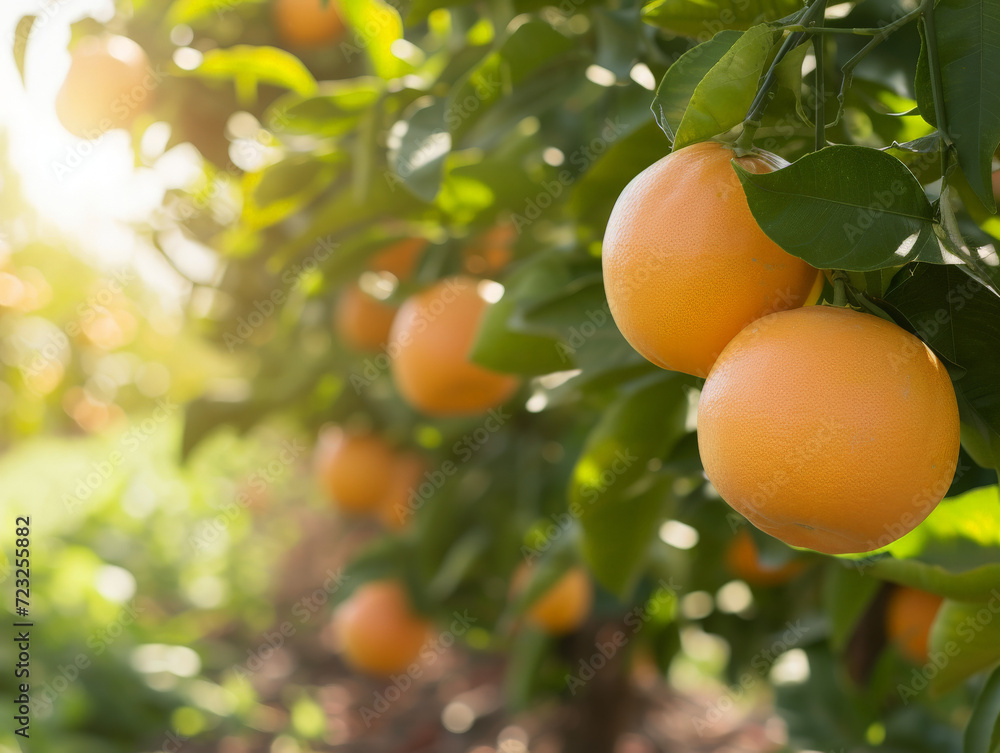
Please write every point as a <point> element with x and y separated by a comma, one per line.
<point>839,289</point>
<point>847,71</point>
<point>937,85</point>
<point>764,94</point>
<point>819,91</point>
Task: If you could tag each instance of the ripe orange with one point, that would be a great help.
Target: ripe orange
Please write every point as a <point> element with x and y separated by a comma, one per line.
<point>378,629</point>
<point>353,469</point>
<point>565,606</point>
<point>362,321</point>
<point>743,561</point>
<point>909,616</point>
<point>108,85</point>
<point>685,265</point>
<point>399,258</point>
<point>307,23</point>
<point>429,345</point>
<point>408,473</point>
<point>829,429</point>
<point>491,251</point>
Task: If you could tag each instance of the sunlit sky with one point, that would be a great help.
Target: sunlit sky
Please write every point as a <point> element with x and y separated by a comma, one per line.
<point>88,191</point>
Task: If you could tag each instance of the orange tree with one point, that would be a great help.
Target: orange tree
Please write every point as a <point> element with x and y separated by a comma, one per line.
<point>493,141</point>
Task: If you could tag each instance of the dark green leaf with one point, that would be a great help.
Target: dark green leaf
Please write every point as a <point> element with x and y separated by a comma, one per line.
<point>846,595</point>
<point>418,163</point>
<point>982,733</point>
<point>960,318</point>
<point>618,501</point>
<point>679,82</point>
<point>532,50</point>
<point>617,32</point>
<point>967,42</point>
<point>846,207</point>
<point>501,346</point>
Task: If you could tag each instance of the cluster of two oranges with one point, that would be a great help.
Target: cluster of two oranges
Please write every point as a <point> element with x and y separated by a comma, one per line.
<point>827,428</point>
<point>380,632</point>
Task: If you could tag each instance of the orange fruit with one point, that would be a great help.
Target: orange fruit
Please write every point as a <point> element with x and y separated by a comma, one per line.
<point>307,23</point>
<point>909,616</point>
<point>564,606</point>
<point>996,185</point>
<point>407,475</point>
<point>109,83</point>
<point>429,344</point>
<point>378,629</point>
<point>743,561</point>
<point>685,265</point>
<point>491,251</point>
<point>353,469</point>
<point>361,321</point>
<point>829,429</point>
<point>399,258</point>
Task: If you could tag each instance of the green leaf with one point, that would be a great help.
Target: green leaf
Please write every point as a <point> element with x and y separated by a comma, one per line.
<point>284,188</point>
<point>960,319</point>
<point>967,635</point>
<point>846,595</point>
<point>699,18</point>
<point>618,501</point>
<point>189,11</point>
<point>377,25</point>
<point>617,34</point>
<point>501,346</point>
<point>21,34</point>
<point>967,34</point>
<point>418,162</point>
<point>954,553</point>
<point>846,207</point>
<point>722,98</point>
<point>527,59</point>
<point>679,82</point>
<point>249,66</point>
<point>971,584</point>
<point>527,655</point>
<point>982,733</point>
<point>579,316</point>
<point>457,563</point>
<point>594,195</point>
<point>333,110</point>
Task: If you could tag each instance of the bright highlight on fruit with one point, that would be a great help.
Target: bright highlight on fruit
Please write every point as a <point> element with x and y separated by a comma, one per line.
<point>354,469</point>
<point>378,630</point>
<point>108,85</point>
<point>429,344</point>
<point>829,429</point>
<point>685,265</point>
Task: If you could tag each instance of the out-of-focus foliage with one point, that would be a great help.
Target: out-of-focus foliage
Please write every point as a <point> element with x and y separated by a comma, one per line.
<point>193,414</point>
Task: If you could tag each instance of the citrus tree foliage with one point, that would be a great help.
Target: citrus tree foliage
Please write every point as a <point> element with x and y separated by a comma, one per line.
<point>442,120</point>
